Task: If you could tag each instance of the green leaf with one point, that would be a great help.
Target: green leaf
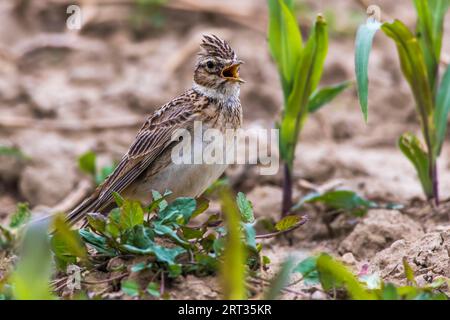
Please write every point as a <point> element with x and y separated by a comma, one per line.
<point>174,270</point>
<point>202,206</point>
<point>324,95</point>
<point>438,10</point>
<point>280,280</point>
<point>334,274</point>
<point>411,147</point>
<point>389,292</point>
<point>343,200</point>
<point>363,46</point>
<point>442,109</point>
<point>103,174</point>
<point>308,269</point>
<point>167,255</point>
<point>164,230</point>
<point>206,262</point>
<point>245,207</point>
<point>219,246</point>
<point>132,214</point>
<point>97,221</point>
<point>21,216</point>
<point>140,237</point>
<point>6,238</point>
<point>192,233</point>
<point>118,199</point>
<point>86,163</point>
<point>159,200</point>
<point>31,277</point>
<point>139,266</point>
<point>409,273</point>
<point>266,260</point>
<point>287,223</point>
<point>414,69</point>
<point>99,243</point>
<point>162,254</point>
<point>12,152</point>
<point>233,269</point>
<point>308,73</point>
<point>68,241</point>
<point>250,236</point>
<point>153,289</point>
<point>285,40</point>
<point>430,28</point>
<point>130,288</point>
<point>184,207</point>
<point>63,256</point>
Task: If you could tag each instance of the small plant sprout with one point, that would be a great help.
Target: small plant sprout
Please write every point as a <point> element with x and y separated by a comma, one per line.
<point>300,68</point>
<point>419,54</point>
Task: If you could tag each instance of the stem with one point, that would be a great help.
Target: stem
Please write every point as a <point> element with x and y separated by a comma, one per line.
<point>274,234</point>
<point>435,182</point>
<point>287,191</point>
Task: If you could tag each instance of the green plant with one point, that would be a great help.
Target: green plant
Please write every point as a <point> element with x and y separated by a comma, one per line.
<point>233,266</point>
<point>161,232</point>
<point>87,163</point>
<point>300,69</point>
<point>419,56</point>
<point>12,152</point>
<point>9,235</point>
<point>332,275</point>
<point>30,279</point>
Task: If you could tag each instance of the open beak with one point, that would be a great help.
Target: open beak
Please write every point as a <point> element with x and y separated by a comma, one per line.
<point>231,72</point>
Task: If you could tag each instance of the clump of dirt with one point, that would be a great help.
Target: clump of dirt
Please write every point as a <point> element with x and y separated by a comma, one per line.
<point>195,288</point>
<point>428,256</point>
<point>378,230</point>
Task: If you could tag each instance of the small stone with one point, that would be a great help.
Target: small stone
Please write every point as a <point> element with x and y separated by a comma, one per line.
<point>349,259</point>
<point>318,295</point>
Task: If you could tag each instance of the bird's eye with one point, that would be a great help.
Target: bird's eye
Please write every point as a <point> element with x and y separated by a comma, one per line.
<point>210,64</point>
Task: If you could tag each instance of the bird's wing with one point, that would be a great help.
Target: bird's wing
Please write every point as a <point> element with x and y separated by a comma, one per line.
<point>153,138</point>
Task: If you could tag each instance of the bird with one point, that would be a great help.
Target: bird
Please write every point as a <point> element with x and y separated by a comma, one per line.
<point>213,100</point>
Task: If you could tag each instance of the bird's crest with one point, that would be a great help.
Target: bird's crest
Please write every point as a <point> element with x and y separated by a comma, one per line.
<point>214,46</point>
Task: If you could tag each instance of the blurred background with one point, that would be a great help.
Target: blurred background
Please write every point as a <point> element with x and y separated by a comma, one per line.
<point>64,92</point>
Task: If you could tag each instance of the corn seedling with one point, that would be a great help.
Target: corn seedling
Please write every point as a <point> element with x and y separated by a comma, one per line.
<point>300,68</point>
<point>419,54</point>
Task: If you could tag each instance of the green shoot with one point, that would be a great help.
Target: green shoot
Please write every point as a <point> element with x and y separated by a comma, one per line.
<point>419,56</point>
<point>300,68</point>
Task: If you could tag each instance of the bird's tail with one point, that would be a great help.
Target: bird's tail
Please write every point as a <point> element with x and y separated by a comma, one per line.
<point>79,213</point>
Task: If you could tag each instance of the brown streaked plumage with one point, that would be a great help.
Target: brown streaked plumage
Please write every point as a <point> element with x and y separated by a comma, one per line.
<point>147,166</point>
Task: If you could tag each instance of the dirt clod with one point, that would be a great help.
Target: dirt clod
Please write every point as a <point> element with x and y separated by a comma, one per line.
<point>428,256</point>
<point>378,230</point>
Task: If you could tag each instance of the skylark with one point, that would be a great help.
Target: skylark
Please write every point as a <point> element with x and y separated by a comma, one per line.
<point>213,100</point>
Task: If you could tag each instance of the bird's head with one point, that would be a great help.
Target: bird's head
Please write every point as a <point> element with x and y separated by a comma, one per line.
<point>217,66</point>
